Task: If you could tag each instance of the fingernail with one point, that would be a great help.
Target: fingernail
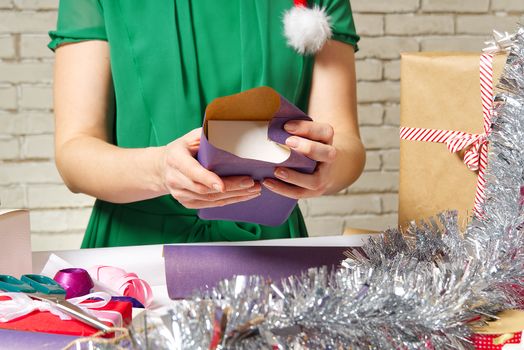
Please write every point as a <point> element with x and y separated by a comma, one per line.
<point>281,173</point>
<point>292,142</point>
<point>217,187</point>
<point>246,183</point>
<point>254,189</point>
<point>290,126</point>
<point>269,184</point>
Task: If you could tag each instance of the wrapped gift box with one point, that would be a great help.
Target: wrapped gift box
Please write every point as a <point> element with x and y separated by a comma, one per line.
<point>257,110</point>
<point>46,322</point>
<point>503,334</point>
<point>439,91</point>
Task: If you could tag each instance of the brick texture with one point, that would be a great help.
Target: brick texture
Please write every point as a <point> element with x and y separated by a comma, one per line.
<point>29,179</point>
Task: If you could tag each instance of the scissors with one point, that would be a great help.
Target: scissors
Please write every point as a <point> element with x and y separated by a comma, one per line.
<point>46,289</point>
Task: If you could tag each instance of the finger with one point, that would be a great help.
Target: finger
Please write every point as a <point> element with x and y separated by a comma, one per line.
<point>315,150</point>
<point>234,183</point>
<point>185,195</point>
<point>322,132</point>
<point>192,140</point>
<point>193,170</point>
<point>198,204</point>
<point>287,190</point>
<point>175,180</point>
<point>313,182</point>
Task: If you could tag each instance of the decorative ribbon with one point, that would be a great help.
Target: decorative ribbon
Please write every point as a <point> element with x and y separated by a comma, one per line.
<point>21,304</point>
<point>501,42</point>
<point>126,284</point>
<point>75,281</point>
<point>476,145</point>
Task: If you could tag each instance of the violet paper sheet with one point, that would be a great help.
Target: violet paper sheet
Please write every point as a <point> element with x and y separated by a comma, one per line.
<point>20,340</point>
<point>269,208</point>
<point>193,267</point>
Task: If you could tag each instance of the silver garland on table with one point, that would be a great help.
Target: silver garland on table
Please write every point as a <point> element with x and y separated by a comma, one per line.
<point>421,289</point>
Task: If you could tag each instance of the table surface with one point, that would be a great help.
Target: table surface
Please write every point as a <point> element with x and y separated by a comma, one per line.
<point>148,263</point>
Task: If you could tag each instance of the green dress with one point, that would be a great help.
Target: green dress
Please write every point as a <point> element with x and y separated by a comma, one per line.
<point>169,59</point>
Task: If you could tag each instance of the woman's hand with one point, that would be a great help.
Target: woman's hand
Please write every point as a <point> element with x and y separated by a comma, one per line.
<point>314,140</point>
<point>196,187</point>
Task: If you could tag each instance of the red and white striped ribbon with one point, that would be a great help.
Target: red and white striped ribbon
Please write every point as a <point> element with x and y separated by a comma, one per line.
<point>476,145</point>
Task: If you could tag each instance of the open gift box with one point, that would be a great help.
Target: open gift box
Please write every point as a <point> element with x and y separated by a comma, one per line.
<point>243,134</point>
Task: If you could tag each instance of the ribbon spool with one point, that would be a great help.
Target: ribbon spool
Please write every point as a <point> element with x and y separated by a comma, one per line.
<point>75,281</point>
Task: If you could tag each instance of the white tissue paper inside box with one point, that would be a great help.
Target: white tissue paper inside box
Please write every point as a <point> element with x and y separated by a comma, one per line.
<point>246,139</point>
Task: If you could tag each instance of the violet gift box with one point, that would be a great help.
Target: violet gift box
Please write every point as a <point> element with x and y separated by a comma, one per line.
<point>258,104</point>
<point>194,267</point>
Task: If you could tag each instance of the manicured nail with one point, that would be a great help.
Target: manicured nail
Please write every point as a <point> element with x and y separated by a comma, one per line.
<point>292,142</point>
<point>247,183</point>
<point>281,173</point>
<point>254,189</point>
<point>291,126</point>
<point>217,188</point>
<point>269,184</point>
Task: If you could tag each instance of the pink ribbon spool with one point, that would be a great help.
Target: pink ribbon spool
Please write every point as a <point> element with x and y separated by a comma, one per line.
<point>126,284</point>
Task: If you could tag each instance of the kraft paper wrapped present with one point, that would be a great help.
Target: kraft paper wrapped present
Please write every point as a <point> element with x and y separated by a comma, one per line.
<point>502,334</point>
<point>243,134</point>
<point>439,91</point>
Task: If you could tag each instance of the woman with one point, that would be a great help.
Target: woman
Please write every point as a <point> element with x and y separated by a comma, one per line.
<point>132,80</point>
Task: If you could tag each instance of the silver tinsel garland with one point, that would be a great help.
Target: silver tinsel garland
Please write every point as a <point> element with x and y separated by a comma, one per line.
<point>421,289</point>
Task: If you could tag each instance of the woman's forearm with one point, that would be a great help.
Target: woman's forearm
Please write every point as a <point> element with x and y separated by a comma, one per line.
<point>94,167</point>
<point>349,162</point>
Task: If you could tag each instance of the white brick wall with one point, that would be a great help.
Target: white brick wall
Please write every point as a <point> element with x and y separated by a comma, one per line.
<point>28,177</point>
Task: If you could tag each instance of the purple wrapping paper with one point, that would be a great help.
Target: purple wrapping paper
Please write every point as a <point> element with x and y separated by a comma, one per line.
<point>18,340</point>
<point>189,268</point>
<point>269,208</point>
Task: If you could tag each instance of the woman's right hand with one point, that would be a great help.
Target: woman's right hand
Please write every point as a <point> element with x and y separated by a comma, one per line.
<point>193,185</point>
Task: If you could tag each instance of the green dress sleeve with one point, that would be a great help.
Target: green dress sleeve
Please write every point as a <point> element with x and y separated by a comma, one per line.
<point>78,20</point>
<point>341,19</point>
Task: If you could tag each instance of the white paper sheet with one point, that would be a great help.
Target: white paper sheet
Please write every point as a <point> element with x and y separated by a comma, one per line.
<point>246,139</point>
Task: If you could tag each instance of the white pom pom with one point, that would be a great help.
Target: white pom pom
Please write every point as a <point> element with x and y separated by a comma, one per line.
<point>307,29</point>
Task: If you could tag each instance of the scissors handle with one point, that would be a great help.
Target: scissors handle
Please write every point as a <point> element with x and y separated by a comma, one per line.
<point>11,284</point>
<point>43,284</point>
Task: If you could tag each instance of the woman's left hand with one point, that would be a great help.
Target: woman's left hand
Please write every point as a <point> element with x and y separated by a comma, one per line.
<point>314,140</point>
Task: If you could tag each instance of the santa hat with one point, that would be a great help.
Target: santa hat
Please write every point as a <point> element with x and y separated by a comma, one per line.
<point>306,29</point>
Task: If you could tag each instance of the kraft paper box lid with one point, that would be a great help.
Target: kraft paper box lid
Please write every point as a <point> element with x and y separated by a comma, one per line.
<point>439,90</point>
<point>192,267</point>
<point>15,240</point>
<point>258,106</point>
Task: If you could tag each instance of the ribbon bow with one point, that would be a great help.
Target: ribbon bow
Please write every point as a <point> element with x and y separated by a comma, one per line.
<point>21,304</point>
<point>476,145</point>
<point>501,42</point>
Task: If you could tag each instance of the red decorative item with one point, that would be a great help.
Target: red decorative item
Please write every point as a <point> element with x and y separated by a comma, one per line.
<point>496,341</point>
<point>300,3</point>
<point>48,323</point>
<point>502,334</point>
